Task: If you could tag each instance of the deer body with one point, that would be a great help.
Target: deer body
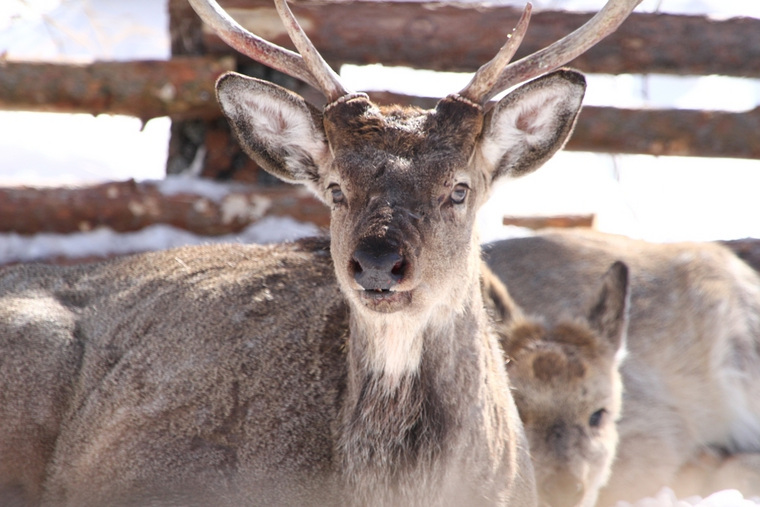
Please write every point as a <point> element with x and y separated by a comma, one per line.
<point>690,383</point>
<point>137,396</point>
<point>148,406</point>
<point>281,375</point>
<point>420,402</point>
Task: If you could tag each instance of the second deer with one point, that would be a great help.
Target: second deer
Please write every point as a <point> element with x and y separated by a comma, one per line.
<point>689,383</point>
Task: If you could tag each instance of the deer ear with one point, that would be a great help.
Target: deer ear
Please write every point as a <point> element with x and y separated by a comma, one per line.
<point>498,302</point>
<point>529,125</point>
<point>608,315</point>
<point>277,128</point>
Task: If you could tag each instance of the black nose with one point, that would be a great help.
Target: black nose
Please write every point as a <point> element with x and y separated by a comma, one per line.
<point>378,270</point>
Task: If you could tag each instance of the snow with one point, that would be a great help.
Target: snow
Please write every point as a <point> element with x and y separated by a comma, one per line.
<point>666,498</point>
<point>103,242</point>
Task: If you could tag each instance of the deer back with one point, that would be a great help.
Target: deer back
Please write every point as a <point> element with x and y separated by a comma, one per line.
<point>228,359</point>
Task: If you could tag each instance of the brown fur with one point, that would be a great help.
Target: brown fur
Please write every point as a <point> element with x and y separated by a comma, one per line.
<point>281,375</point>
<point>565,374</point>
<point>691,417</point>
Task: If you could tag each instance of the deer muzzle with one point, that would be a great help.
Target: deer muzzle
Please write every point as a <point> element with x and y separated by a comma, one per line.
<point>378,271</point>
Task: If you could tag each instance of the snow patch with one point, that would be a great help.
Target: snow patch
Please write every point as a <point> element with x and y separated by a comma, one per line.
<point>666,498</point>
<point>105,242</point>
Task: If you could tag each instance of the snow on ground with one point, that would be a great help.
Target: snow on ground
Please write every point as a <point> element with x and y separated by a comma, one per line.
<point>666,498</point>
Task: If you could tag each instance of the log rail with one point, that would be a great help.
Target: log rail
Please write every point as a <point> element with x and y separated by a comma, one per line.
<point>438,36</point>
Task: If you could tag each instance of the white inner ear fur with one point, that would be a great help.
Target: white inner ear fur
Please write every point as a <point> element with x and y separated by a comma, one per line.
<point>527,121</point>
<point>288,125</point>
<point>282,125</point>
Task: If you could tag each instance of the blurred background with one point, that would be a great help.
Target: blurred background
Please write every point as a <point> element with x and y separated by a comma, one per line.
<point>667,148</point>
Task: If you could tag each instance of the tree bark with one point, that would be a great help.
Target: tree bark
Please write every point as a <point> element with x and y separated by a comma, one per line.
<point>668,132</point>
<point>180,88</point>
<point>130,206</point>
<point>542,222</point>
<point>462,37</point>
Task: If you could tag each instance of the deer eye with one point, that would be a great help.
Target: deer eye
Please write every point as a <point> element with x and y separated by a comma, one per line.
<point>336,193</point>
<point>459,194</point>
<point>597,418</point>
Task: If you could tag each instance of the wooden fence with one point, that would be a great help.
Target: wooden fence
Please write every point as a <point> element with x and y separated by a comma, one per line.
<point>436,36</point>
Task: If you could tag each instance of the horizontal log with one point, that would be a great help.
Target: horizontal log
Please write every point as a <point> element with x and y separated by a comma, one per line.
<point>678,132</point>
<point>542,222</point>
<point>668,132</point>
<point>461,37</point>
<point>181,88</point>
<point>130,206</point>
<point>599,129</point>
<point>184,88</point>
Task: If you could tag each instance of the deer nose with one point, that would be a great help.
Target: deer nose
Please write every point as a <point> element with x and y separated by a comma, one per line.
<point>378,271</point>
<point>562,490</point>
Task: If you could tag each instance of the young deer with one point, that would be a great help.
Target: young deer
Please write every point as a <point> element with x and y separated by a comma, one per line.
<point>690,380</point>
<point>287,375</point>
<point>567,385</point>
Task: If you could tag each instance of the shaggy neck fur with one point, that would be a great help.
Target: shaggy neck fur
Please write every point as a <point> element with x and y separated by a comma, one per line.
<point>426,417</point>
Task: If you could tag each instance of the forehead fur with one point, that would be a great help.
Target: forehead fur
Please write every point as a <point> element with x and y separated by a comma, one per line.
<point>564,353</point>
<point>451,128</point>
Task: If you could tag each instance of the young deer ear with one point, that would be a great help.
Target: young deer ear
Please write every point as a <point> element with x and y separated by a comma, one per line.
<point>496,298</point>
<point>278,129</point>
<point>608,315</point>
<point>530,124</point>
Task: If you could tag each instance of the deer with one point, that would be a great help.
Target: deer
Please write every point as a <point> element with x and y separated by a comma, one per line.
<point>675,403</point>
<point>565,375</point>
<point>359,369</point>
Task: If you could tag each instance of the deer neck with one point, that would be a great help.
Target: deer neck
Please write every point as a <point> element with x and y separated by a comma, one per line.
<point>391,347</point>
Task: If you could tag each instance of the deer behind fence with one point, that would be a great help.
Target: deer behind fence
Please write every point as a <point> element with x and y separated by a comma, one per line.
<point>356,371</point>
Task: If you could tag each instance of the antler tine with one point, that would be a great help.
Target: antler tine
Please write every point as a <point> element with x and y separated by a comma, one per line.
<point>269,54</point>
<point>486,77</point>
<point>328,80</point>
<point>606,21</point>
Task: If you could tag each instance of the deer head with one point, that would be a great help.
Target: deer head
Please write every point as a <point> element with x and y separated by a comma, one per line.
<point>404,184</point>
<point>568,389</point>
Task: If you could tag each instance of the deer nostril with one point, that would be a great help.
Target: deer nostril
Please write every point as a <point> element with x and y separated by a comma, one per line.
<point>377,271</point>
<point>399,268</point>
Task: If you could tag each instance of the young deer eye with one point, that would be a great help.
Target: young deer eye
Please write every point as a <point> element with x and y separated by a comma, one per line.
<point>459,194</point>
<point>597,418</point>
<point>336,193</point>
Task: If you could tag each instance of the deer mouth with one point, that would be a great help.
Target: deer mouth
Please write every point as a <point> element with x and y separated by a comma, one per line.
<point>384,300</point>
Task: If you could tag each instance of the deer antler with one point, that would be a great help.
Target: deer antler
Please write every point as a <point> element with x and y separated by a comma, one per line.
<point>607,20</point>
<point>309,66</point>
<point>487,76</point>
<point>493,77</point>
<point>328,80</point>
